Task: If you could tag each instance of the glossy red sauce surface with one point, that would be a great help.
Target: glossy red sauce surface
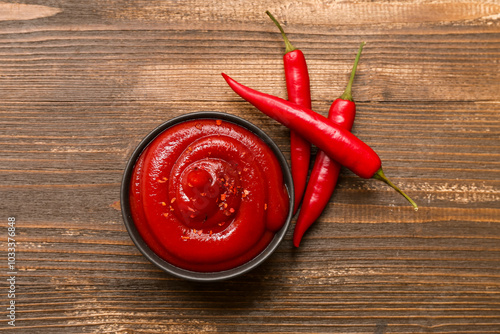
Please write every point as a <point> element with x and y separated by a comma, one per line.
<point>208,195</point>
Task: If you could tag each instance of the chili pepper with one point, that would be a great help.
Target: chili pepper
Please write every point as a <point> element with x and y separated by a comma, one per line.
<point>325,171</point>
<point>299,92</point>
<point>338,143</point>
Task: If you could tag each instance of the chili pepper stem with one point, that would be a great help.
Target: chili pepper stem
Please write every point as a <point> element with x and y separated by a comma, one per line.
<point>347,95</point>
<point>379,175</point>
<point>288,45</point>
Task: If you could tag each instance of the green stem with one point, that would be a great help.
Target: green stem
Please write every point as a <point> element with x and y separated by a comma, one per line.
<point>288,45</point>
<point>379,175</point>
<point>348,90</point>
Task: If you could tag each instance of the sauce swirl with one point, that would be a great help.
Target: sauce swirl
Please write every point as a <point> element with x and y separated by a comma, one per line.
<point>208,195</point>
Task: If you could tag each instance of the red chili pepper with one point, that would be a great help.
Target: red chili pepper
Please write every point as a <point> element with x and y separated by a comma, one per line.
<point>299,92</point>
<point>325,171</point>
<point>338,143</point>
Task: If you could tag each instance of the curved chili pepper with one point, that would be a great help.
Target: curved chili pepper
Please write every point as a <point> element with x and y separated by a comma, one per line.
<point>325,171</point>
<point>299,92</point>
<point>338,143</point>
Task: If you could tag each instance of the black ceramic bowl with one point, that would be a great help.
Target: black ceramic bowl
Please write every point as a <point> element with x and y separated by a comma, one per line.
<point>194,275</point>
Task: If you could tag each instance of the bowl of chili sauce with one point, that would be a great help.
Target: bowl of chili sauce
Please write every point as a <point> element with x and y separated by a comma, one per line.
<point>207,196</point>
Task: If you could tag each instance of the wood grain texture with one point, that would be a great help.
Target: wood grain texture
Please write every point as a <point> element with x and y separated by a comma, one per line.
<point>82,82</point>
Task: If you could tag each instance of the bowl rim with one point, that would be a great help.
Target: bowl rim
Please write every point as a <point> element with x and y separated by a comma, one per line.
<point>189,274</point>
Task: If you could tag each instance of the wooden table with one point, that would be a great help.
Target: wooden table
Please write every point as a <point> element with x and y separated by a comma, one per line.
<point>82,82</point>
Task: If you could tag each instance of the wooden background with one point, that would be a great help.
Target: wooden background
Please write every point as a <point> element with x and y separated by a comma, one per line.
<point>81,82</point>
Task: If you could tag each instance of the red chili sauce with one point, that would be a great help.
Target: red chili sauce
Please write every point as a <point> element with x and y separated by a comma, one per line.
<point>208,195</point>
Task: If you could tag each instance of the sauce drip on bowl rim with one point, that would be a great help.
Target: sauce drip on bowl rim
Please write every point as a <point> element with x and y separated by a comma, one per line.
<point>207,195</point>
